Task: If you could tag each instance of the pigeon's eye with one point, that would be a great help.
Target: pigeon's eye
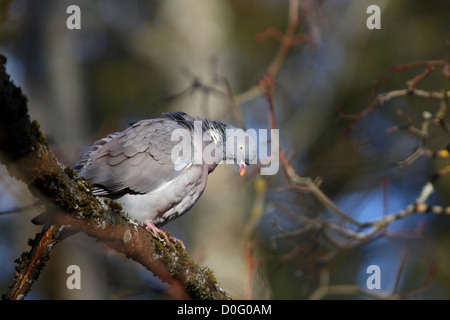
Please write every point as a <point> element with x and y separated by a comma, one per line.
<point>241,147</point>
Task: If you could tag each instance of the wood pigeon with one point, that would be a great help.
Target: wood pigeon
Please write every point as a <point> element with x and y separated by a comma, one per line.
<point>157,168</point>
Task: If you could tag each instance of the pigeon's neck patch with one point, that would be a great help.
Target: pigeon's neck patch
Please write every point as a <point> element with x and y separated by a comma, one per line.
<point>219,128</point>
<point>214,136</point>
<point>215,129</point>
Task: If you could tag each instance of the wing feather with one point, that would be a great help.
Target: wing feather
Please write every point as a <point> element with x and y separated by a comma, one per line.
<point>137,159</point>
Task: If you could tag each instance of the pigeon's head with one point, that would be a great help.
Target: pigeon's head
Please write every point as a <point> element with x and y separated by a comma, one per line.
<point>239,147</point>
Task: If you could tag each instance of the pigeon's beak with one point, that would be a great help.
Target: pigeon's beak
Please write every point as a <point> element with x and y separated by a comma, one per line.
<point>242,168</point>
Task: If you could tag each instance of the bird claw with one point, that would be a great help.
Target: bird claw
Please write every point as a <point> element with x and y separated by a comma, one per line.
<point>156,231</point>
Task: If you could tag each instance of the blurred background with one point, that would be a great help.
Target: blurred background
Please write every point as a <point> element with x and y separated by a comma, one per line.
<point>136,59</point>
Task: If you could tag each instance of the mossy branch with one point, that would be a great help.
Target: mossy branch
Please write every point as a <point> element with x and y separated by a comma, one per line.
<point>25,152</point>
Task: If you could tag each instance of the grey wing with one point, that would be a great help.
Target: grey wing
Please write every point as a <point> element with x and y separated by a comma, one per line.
<point>137,159</point>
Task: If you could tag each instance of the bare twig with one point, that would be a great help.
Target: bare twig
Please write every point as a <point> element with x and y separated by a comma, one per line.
<point>325,289</point>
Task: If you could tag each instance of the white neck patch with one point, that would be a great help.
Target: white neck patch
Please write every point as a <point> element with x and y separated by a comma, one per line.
<point>214,136</point>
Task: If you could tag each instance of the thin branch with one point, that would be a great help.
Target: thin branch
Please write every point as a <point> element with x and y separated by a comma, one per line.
<point>30,264</point>
<point>325,289</point>
<point>287,40</point>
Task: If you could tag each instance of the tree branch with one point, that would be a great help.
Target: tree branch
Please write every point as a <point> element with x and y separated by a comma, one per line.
<point>25,152</point>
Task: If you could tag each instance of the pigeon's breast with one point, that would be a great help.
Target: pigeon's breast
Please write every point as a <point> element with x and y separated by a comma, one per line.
<point>169,201</point>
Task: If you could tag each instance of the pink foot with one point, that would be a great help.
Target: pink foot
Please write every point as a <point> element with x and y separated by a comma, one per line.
<point>180,242</point>
<point>155,230</point>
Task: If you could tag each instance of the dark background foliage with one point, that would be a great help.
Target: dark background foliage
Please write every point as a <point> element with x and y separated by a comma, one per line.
<point>136,59</point>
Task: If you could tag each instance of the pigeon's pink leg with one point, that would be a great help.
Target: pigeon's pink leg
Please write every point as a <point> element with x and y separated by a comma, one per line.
<point>154,229</point>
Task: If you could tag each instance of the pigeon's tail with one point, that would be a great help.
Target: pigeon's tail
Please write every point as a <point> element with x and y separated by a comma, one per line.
<point>46,219</point>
